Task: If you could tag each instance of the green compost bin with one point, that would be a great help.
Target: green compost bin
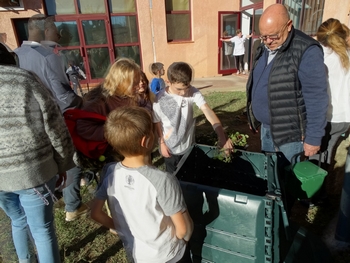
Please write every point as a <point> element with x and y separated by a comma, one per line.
<point>238,213</point>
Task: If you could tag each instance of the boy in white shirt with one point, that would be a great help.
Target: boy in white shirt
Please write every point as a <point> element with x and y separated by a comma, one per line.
<point>173,116</point>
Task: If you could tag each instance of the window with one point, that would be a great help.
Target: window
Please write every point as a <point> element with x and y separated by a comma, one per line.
<point>95,32</point>
<point>125,31</point>
<point>250,2</point>
<point>122,6</point>
<point>21,25</point>
<point>178,20</point>
<point>91,7</point>
<point>306,14</point>
<point>8,5</point>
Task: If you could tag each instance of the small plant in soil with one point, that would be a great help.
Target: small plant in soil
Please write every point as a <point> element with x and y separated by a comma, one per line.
<point>239,140</point>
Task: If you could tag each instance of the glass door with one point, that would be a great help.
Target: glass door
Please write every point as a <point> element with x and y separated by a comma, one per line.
<point>251,13</point>
<point>97,48</point>
<point>95,32</point>
<point>85,43</point>
<point>229,22</point>
<point>247,29</point>
<point>255,43</point>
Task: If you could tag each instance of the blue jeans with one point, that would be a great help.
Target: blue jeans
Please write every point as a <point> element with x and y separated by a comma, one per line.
<point>71,193</point>
<point>28,212</point>
<point>288,149</point>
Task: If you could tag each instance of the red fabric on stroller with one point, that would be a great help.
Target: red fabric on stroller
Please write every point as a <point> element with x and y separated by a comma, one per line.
<point>91,149</point>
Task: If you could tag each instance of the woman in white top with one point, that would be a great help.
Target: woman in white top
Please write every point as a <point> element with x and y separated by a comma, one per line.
<point>238,51</point>
<point>333,37</point>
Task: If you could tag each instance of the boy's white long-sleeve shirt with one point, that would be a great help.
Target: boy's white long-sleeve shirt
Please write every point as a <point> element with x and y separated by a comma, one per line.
<point>175,113</point>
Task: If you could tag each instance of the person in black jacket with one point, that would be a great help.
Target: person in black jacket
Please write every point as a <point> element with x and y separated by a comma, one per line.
<point>287,88</point>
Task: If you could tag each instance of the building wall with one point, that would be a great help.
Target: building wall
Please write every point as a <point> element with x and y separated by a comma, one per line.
<point>332,10</point>
<point>201,52</point>
<point>268,2</point>
<point>33,7</point>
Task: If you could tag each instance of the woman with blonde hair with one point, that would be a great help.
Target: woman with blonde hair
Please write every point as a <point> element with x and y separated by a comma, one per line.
<point>118,89</point>
<point>333,38</point>
<point>347,30</point>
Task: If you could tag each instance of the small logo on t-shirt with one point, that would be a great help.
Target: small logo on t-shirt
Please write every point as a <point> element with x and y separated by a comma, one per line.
<point>129,180</point>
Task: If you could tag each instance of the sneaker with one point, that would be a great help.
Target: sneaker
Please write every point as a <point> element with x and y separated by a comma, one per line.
<point>237,72</point>
<point>83,182</point>
<point>114,232</point>
<point>243,73</point>
<point>83,210</point>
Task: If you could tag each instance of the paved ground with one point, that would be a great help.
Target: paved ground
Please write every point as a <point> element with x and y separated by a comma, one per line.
<point>221,83</point>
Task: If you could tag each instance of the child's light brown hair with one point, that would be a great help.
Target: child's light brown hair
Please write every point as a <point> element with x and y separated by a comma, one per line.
<point>156,67</point>
<point>125,129</point>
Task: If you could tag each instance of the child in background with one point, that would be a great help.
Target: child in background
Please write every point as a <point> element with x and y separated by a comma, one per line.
<point>173,115</point>
<point>147,206</point>
<point>157,83</point>
<point>145,97</point>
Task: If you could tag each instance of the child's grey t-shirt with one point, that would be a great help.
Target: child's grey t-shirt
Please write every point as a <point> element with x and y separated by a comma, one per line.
<point>141,201</point>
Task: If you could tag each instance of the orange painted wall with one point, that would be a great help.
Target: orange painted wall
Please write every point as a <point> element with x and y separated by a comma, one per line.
<point>340,10</point>
<point>32,7</point>
<point>201,52</point>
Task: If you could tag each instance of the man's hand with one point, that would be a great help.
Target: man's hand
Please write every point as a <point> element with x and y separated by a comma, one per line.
<point>310,149</point>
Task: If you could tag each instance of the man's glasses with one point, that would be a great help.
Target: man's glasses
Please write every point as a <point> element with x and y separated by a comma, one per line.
<point>274,37</point>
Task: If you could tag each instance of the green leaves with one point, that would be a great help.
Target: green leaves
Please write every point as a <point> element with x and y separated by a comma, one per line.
<point>239,140</point>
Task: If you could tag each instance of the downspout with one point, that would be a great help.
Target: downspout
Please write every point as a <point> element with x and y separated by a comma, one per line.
<point>152,31</point>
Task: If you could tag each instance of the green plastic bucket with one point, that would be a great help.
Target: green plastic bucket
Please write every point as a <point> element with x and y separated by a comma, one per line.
<point>306,179</point>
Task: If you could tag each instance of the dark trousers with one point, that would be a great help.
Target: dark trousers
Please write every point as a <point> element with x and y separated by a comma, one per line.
<point>172,162</point>
<point>187,256</point>
<point>239,62</point>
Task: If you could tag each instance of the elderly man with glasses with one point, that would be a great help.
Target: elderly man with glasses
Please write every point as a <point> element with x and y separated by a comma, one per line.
<point>287,87</point>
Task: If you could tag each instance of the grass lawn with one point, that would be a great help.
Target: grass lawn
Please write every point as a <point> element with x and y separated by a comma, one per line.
<point>86,241</point>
